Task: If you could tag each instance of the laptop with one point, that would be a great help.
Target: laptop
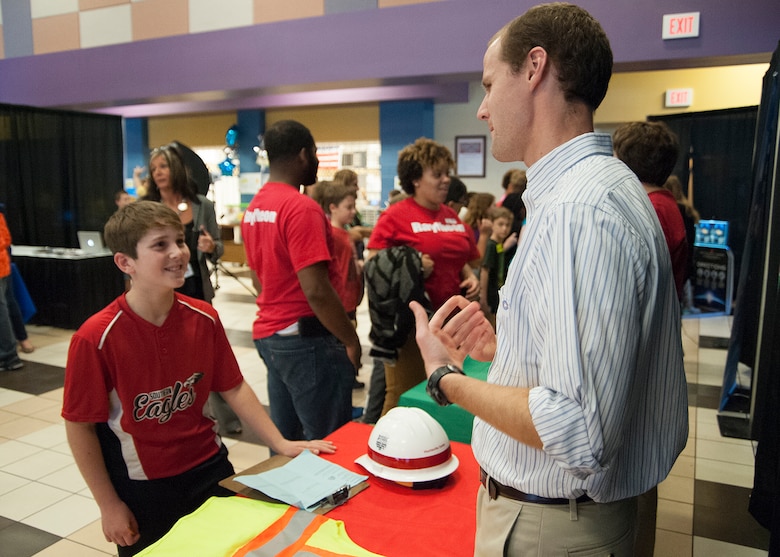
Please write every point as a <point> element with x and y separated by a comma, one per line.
<point>90,241</point>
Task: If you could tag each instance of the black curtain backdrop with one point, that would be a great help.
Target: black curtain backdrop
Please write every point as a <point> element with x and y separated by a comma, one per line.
<point>722,158</point>
<point>59,171</point>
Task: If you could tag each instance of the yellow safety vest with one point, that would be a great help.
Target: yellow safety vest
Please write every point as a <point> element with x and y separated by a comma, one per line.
<point>242,527</point>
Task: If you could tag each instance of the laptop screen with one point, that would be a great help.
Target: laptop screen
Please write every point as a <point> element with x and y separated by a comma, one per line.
<point>90,241</point>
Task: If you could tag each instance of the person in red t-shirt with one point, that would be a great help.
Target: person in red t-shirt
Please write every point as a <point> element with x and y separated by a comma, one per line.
<point>139,373</point>
<point>650,150</point>
<point>338,202</point>
<point>302,332</point>
<point>9,357</point>
<point>449,251</point>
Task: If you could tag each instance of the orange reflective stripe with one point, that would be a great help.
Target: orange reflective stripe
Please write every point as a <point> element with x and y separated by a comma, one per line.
<point>300,543</point>
<point>265,536</point>
<point>322,552</point>
<point>295,528</point>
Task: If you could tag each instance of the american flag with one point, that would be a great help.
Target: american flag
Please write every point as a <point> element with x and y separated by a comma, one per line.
<point>330,158</point>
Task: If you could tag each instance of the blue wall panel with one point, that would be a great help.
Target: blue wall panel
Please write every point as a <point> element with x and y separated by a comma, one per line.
<point>251,123</point>
<point>136,144</point>
<point>400,123</point>
<point>17,28</point>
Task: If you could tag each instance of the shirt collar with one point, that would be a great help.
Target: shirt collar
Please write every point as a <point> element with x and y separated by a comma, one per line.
<point>545,173</point>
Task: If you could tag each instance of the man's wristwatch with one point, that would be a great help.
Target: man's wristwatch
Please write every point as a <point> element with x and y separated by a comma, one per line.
<point>433,383</point>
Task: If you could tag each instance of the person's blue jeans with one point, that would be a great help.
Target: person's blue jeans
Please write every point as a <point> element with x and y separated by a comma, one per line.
<point>15,313</point>
<point>309,384</point>
<point>376,394</point>
<point>7,338</point>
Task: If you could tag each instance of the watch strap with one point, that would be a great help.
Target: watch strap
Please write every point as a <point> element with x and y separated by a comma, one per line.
<point>432,388</point>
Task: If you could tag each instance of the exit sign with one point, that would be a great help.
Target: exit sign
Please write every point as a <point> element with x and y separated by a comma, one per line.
<point>681,26</point>
<point>677,98</point>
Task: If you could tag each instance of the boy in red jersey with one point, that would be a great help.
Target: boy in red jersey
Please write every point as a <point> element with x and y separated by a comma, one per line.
<point>338,202</point>
<point>138,376</point>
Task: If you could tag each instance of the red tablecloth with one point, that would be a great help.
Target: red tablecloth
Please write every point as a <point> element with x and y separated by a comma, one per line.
<point>398,521</point>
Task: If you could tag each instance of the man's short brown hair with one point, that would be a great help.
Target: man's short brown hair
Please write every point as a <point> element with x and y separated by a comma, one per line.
<point>574,41</point>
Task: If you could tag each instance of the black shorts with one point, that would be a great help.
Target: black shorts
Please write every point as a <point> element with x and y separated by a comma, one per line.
<point>158,504</point>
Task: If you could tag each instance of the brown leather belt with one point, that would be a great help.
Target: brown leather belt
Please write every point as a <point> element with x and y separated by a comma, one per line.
<point>496,490</point>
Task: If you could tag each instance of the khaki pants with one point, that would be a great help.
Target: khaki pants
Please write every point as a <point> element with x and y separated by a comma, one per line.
<point>408,371</point>
<point>513,528</point>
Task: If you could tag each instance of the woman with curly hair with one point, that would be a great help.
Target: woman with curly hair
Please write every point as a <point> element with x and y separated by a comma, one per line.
<point>424,222</point>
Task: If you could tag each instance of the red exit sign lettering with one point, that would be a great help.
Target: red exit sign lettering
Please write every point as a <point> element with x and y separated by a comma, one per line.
<point>676,98</point>
<point>681,26</point>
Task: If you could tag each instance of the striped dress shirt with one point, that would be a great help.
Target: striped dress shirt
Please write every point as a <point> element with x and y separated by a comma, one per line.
<point>589,320</point>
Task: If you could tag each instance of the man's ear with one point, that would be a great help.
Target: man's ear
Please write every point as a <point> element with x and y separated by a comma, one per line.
<point>125,263</point>
<point>536,64</point>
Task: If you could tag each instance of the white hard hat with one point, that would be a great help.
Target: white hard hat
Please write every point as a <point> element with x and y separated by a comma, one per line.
<point>408,446</point>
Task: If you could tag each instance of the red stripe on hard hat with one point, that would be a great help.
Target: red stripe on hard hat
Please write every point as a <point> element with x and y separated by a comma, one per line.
<point>410,463</point>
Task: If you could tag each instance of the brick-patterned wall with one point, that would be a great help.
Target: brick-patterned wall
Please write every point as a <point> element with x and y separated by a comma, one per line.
<point>61,25</point>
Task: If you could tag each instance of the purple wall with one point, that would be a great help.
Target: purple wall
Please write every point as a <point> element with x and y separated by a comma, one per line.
<point>358,56</point>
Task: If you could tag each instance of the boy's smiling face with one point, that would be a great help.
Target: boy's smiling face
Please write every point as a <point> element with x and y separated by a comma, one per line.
<point>162,258</point>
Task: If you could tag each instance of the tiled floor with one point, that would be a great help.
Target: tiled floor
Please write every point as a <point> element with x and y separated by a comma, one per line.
<point>47,511</point>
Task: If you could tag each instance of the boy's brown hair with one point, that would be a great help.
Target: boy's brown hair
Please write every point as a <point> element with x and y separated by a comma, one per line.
<point>649,149</point>
<point>129,224</point>
<point>501,213</point>
<point>327,192</point>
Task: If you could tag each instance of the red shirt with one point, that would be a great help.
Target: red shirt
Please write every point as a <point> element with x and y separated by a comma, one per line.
<point>439,234</point>
<point>349,286</point>
<point>5,243</point>
<point>284,231</point>
<point>150,383</point>
<point>674,230</point>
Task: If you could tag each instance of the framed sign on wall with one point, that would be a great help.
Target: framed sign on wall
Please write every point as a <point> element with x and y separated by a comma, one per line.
<point>470,156</point>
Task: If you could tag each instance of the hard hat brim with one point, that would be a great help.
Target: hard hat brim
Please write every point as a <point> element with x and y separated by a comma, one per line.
<point>418,475</point>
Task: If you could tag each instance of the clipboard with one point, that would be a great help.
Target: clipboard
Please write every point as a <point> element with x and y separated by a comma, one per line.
<point>269,464</point>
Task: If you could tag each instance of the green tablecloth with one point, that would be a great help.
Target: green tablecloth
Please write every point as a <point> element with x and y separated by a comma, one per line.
<point>455,420</point>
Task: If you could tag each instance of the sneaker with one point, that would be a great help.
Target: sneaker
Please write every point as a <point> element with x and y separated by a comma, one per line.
<point>11,364</point>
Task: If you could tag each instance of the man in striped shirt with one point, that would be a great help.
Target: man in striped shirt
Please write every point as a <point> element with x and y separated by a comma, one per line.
<point>585,406</point>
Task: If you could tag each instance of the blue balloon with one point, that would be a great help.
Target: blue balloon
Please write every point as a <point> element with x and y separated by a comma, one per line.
<point>231,136</point>
<point>227,167</point>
